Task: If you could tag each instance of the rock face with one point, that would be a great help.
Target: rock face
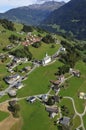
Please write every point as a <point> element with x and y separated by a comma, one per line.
<point>70,17</point>
<point>32,14</point>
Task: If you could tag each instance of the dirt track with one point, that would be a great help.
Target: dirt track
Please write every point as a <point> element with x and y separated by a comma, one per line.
<point>9,121</point>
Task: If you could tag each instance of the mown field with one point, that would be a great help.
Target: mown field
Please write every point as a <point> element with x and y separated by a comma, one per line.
<point>38,80</point>
<point>39,53</point>
<point>3,115</point>
<point>35,117</point>
<point>76,85</point>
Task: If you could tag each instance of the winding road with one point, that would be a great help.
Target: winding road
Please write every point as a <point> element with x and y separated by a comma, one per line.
<point>78,114</point>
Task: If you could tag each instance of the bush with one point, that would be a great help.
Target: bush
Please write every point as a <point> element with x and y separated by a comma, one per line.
<point>36,44</point>
<point>48,39</point>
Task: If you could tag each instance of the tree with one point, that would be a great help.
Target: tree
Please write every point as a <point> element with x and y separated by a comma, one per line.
<point>50,101</point>
<point>52,46</point>
<point>22,52</point>
<point>13,38</point>
<point>27,28</point>
<point>36,44</point>
<point>48,39</point>
<point>7,24</point>
<point>14,108</point>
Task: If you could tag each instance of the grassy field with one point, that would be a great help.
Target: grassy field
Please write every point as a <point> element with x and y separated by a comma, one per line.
<point>4,37</point>
<point>39,53</point>
<point>84,119</point>
<point>76,85</point>
<point>35,117</point>
<point>38,80</point>
<point>76,122</point>
<point>4,98</point>
<point>3,115</point>
<point>3,73</point>
<point>69,105</point>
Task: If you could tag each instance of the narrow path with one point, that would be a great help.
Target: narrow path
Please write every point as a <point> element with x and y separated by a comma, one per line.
<point>80,115</point>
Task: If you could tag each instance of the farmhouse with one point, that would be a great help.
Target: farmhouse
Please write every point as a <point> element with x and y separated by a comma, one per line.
<point>44,98</point>
<point>11,79</point>
<point>31,99</point>
<point>62,49</point>
<point>12,93</point>
<point>52,111</point>
<point>74,72</point>
<point>55,82</point>
<point>18,85</point>
<point>46,60</point>
<point>27,68</point>
<point>65,121</point>
<point>61,78</point>
<point>17,60</point>
<point>25,59</point>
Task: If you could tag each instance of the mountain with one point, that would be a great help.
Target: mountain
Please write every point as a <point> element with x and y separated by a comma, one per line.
<point>32,14</point>
<point>70,17</point>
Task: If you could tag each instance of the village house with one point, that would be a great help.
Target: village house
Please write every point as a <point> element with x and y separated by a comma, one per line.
<point>65,121</point>
<point>11,65</point>
<point>74,72</point>
<point>18,85</point>
<point>12,93</point>
<point>16,60</point>
<point>27,68</point>
<point>31,99</point>
<point>52,111</point>
<point>11,79</point>
<point>56,98</point>
<point>46,60</point>
<point>61,78</point>
<point>62,49</point>
<point>55,82</point>
<point>82,95</point>
<point>44,98</point>
<point>10,46</point>
<point>24,60</point>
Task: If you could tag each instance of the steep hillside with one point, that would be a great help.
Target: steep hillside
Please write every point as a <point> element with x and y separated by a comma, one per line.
<point>32,14</point>
<point>70,17</point>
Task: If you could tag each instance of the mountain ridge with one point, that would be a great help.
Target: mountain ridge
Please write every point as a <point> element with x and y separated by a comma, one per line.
<point>32,14</point>
<point>70,17</point>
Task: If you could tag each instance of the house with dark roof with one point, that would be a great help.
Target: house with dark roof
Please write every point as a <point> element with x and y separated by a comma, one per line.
<point>18,85</point>
<point>74,72</point>
<point>11,79</point>
<point>53,111</point>
<point>55,82</point>
<point>65,121</point>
